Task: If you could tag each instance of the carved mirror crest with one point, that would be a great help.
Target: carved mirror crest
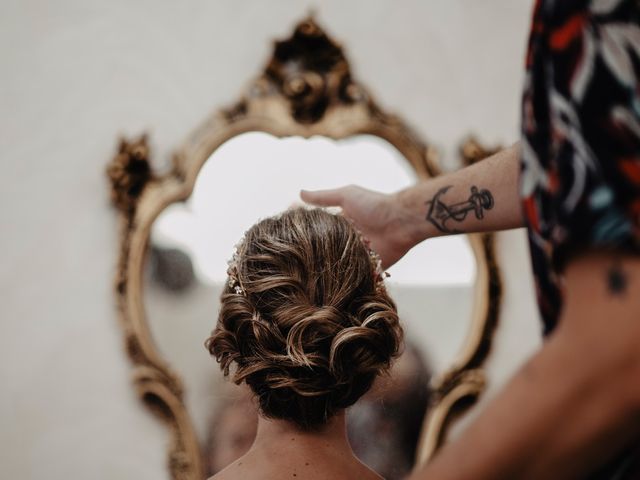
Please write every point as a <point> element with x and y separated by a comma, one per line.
<point>306,94</point>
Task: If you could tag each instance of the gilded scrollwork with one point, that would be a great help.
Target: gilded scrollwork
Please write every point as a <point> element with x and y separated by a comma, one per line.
<point>311,71</point>
<point>129,172</point>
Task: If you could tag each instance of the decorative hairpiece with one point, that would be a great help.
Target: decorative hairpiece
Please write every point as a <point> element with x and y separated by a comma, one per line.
<point>236,285</point>
<point>379,273</point>
<point>232,270</point>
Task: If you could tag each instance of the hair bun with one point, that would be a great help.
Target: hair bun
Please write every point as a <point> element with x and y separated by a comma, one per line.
<point>312,329</point>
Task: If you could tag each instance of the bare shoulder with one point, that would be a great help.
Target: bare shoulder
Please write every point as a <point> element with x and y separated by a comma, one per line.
<point>240,469</point>
<point>246,468</point>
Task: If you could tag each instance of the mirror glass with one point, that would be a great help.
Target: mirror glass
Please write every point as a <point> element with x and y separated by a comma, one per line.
<point>255,175</point>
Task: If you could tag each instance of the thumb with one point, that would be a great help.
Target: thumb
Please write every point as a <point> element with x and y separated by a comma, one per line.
<point>323,198</point>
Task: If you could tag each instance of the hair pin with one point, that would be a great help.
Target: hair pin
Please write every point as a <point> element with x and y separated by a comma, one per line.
<point>232,270</point>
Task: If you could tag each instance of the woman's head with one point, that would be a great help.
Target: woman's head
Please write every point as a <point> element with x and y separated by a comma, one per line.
<point>305,320</point>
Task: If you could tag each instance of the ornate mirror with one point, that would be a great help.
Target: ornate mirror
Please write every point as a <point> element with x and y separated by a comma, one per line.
<point>304,122</point>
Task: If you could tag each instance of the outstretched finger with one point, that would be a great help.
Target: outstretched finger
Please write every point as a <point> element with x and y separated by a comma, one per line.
<point>323,198</point>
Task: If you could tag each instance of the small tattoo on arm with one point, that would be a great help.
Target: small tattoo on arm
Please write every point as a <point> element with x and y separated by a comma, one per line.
<point>440,213</point>
<point>617,280</point>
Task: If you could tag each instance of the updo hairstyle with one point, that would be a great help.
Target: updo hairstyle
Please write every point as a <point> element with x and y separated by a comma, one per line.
<point>312,324</point>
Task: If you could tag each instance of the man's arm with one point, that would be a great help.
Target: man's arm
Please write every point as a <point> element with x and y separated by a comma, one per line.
<point>574,404</point>
<point>481,197</point>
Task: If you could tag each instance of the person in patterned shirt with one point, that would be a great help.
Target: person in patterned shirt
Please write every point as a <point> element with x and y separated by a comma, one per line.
<point>573,410</point>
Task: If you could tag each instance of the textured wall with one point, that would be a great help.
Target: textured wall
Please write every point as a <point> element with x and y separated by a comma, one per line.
<point>75,73</point>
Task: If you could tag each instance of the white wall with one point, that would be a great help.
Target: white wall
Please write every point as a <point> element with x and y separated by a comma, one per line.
<point>75,73</point>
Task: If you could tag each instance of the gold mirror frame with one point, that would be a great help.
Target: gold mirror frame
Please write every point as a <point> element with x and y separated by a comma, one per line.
<point>306,89</point>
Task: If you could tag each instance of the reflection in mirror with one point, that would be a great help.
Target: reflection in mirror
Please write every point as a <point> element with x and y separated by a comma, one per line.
<point>256,175</point>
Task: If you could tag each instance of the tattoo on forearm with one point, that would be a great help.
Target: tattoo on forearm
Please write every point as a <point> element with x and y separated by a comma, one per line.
<point>617,280</point>
<point>440,213</point>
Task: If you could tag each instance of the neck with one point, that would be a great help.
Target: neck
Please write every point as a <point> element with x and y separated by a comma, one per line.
<point>278,433</point>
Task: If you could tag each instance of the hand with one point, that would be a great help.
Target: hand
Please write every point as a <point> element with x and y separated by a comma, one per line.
<point>380,217</point>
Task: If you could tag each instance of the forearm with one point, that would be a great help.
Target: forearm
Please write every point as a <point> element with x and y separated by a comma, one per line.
<point>478,198</point>
<point>573,406</point>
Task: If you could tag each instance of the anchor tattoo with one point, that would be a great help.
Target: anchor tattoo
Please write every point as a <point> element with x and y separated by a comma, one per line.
<point>439,212</point>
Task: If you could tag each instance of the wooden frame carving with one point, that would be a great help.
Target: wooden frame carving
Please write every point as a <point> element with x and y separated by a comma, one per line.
<point>306,89</point>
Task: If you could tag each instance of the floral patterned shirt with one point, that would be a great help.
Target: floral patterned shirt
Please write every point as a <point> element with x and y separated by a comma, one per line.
<point>580,178</point>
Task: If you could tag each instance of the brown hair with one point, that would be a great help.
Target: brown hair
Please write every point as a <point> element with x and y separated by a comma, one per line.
<point>313,325</point>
